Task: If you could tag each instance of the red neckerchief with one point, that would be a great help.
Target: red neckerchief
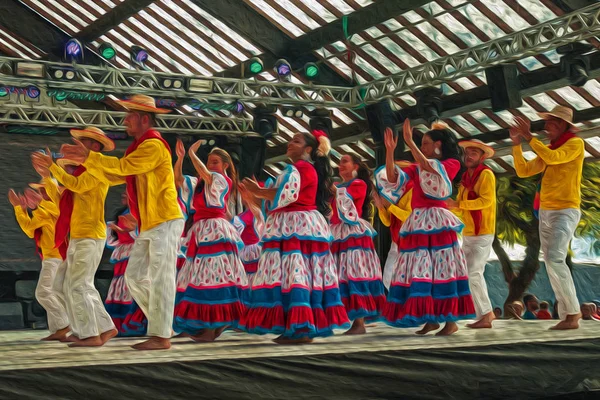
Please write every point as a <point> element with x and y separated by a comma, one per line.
<point>131,179</point>
<point>63,224</point>
<point>555,144</point>
<point>469,183</point>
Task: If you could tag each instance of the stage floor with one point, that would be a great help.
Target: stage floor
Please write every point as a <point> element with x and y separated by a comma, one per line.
<point>516,359</point>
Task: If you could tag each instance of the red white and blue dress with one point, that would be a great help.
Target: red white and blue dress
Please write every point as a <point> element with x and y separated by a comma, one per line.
<point>358,266</point>
<point>250,229</point>
<point>212,281</point>
<point>124,311</point>
<point>429,282</point>
<point>295,290</point>
<point>185,196</point>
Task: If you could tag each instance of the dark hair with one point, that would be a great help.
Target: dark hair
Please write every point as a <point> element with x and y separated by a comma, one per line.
<point>364,174</point>
<point>322,165</point>
<point>151,116</point>
<point>120,211</point>
<point>450,148</point>
<point>527,298</point>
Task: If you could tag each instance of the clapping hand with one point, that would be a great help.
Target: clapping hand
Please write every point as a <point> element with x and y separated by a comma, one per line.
<point>390,140</point>
<point>76,152</point>
<point>407,133</point>
<point>179,149</point>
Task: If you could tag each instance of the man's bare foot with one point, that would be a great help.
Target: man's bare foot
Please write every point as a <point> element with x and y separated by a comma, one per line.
<point>448,329</point>
<point>358,328</point>
<point>94,341</point>
<point>59,335</point>
<point>154,343</point>
<point>70,339</point>
<point>571,322</point>
<point>106,336</point>
<point>206,335</point>
<point>484,323</point>
<point>285,340</point>
<point>428,328</point>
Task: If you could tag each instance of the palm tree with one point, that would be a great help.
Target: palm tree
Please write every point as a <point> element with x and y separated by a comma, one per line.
<point>516,224</point>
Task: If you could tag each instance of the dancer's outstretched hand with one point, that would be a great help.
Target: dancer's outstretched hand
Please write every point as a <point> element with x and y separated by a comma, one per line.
<point>194,148</point>
<point>389,140</point>
<point>13,198</point>
<point>179,149</point>
<point>407,133</point>
<point>523,128</point>
<point>76,152</point>
<point>41,160</point>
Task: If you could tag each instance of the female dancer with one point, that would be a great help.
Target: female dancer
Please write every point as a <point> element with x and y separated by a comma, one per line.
<point>359,269</point>
<point>429,283</point>
<point>125,313</point>
<point>212,279</point>
<point>295,290</point>
<point>250,225</point>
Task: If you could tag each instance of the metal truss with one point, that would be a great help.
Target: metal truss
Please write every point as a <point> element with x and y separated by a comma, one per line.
<point>579,25</point>
<point>17,114</point>
<point>115,81</point>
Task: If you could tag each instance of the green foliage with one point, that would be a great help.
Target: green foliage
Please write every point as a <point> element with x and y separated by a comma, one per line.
<point>589,225</point>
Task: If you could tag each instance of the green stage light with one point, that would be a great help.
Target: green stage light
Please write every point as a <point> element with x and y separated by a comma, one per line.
<point>255,65</point>
<point>107,51</point>
<point>311,70</point>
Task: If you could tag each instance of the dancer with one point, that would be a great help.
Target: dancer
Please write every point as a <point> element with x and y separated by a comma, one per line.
<point>295,289</point>
<point>393,216</point>
<point>212,279</point>
<point>148,172</point>
<point>429,283</point>
<point>124,311</point>
<point>82,217</point>
<point>250,226</point>
<point>358,266</point>
<point>476,206</point>
<point>559,199</point>
<point>40,227</point>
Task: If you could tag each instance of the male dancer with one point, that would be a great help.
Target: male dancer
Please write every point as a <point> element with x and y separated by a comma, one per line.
<point>561,166</point>
<point>82,216</point>
<point>148,169</point>
<point>40,226</point>
<point>476,205</point>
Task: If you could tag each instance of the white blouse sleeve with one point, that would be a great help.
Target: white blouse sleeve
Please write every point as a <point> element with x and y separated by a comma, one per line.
<point>186,192</point>
<point>214,194</point>
<point>345,206</point>
<point>238,224</point>
<point>391,191</point>
<point>288,189</point>
<point>435,186</point>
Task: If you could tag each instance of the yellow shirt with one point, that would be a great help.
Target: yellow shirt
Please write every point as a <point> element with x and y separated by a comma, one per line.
<point>44,217</point>
<point>155,181</point>
<point>562,168</point>
<point>401,210</point>
<point>89,194</point>
<point>485,187</point>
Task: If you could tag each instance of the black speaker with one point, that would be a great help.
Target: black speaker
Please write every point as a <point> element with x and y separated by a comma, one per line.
<point>379,117</point>
<point>253,157</point>
<point>503,84</point>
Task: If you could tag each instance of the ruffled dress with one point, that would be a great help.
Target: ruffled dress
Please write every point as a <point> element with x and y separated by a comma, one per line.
<point>358,266</point>
<point>295,291</point>
<point>429,282</point>
<point>250,229</point>
<point>212,282</point>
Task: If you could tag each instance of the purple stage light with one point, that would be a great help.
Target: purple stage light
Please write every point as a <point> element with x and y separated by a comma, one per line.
<point>73,48</point>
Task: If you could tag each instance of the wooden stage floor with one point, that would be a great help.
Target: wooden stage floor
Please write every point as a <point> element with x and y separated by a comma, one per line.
<point>21,350</point>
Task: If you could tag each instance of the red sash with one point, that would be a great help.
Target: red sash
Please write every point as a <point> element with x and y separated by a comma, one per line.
<point>469,183</point>
<point>63,224</point>
<point>553,146</point>
<point>130,180</point>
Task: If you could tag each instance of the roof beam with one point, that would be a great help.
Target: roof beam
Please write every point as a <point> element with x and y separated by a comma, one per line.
<point>111,19</point>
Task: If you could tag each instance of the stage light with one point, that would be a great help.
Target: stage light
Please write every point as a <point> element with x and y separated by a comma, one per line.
<point>139,56</point>
<point>31,70</point>
<point>320,119</point>
<point>283,69</point>
<point>172,83</point>
<point>63,74</point>
<point>311,70</point>
<point>292,112</point>
<point>73,50</point>
<point>196,85</point>
<point>265,121</point>
<point>255,65</point>
<point>107,51</point>
<point>575,62</point>
<point>429,103</point>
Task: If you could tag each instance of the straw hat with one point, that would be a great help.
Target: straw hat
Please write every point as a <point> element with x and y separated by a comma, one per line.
<point>560,112</point>
<point>140,102</point>
<point>65,162</point>
<point>91,132</point>
<point>488,151</point>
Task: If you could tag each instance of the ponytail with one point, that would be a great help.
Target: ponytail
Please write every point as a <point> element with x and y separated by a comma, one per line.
<point>364,174</point>
<point>322,165</point>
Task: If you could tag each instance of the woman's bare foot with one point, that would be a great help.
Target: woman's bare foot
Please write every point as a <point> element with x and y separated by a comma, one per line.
<point>428,328</point>
<point>182,335</point>
<point>59,335</point>
<point>154,343</point>
<point>358,327</point>
<point>284,340</point>
<point>448,329</point>
<point>70,339</point>
<point>206,335</point>
<point>484,322</point>
<point>106,336</point>
<point>571,322</point>
<point>94,341</point>
<point>219,331</point>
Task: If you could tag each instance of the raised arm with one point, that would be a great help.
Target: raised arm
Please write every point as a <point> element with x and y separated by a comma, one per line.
<point>419,157</point>
<point>569,151</point>
<point>178,168</point>
<point>201,170</point>
<point>390,147</point>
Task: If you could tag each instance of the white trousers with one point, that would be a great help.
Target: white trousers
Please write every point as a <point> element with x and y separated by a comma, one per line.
<point>556,231</point>
<point>86,311</point>
<point>477,251</point>
<point>49,293</point>
<point>150,275</point>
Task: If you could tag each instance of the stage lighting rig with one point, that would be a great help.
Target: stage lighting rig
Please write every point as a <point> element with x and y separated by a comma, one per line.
<point>429,103</point>
<point>283,70</point>
<point>265,121</point>
<point>575,62</point>
<point>255,66</point>
<point>320,119</point>
<point>138,57</point>
<point>73,51</point>
<point>311,71</point>
<point>292,112</point>
<point>107,51</point>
